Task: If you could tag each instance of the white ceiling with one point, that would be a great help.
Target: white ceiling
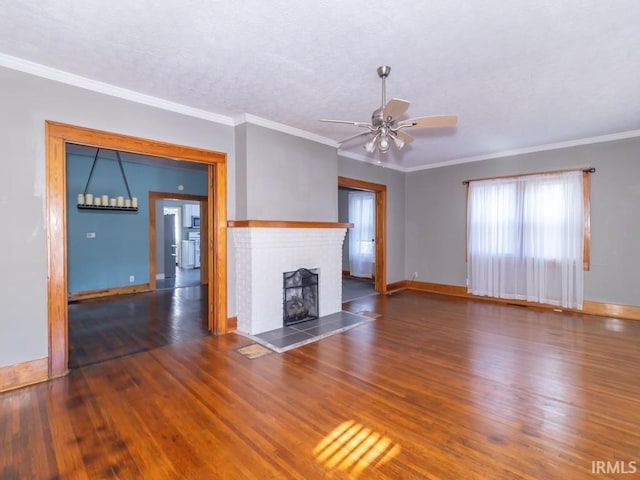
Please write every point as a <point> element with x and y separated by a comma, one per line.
<point>521,74</point>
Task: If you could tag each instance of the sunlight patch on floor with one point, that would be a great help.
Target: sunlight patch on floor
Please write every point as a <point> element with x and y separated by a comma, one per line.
<point>353,447</point>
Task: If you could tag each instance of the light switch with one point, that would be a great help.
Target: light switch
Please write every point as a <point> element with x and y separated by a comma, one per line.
<point>91,234</point>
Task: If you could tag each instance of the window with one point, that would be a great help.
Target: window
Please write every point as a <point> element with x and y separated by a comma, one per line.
<point>528,237</point>
<point>361,237</point>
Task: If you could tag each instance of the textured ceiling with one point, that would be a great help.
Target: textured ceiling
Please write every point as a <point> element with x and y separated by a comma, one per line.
<point>519,74</point>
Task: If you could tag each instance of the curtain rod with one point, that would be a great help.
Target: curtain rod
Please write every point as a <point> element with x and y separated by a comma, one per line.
<point>585,170</point>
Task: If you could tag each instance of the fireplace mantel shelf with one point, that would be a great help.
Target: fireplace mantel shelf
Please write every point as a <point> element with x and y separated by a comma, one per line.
<point>285,224</point>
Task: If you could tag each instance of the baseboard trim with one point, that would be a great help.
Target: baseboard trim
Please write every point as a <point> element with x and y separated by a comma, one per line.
<point>347,274</point>
<point>23,374</point>
<point>107,292</point>
<point>232,324</point>
<point>440,288</point>
<point>630,312</point>
<point>395,286</point>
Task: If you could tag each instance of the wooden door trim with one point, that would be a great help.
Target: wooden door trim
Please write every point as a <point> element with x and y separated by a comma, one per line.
<point>381,226</point>
<point>153,251</point>
<point>204,242</point>
<point>56,136</point>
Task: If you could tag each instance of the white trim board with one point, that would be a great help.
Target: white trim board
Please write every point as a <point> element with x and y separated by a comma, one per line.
<point>537,148</point>
<point>43,71</point>
<point>280,127</point>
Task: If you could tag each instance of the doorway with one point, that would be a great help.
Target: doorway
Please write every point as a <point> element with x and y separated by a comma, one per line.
<point>57,136</point>
<point>378,242</point>
<point>183,246</point>
<point>177,263</point>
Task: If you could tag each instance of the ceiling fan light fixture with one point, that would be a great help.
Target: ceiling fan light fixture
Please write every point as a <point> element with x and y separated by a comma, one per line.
<point>370,146</point>
<point>383,144</point>
<point>399,142</point>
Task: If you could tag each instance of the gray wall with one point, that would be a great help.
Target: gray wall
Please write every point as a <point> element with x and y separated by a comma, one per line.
<point>27,101</point>
<point>288,178</point>
<point>395,182</point>
<point>436,215</point>
<point>280,177</point>
<point>240,132</point>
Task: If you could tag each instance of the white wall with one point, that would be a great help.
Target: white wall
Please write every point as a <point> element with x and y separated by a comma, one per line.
<point>27,101</point>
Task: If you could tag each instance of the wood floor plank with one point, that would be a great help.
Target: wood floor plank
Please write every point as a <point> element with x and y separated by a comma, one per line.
<point>437,387</point>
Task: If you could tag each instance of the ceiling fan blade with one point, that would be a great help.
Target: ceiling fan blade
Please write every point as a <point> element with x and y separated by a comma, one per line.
<point>395,108</point>
<point>353,136</point>
<point>357,124</point>
<point>406,138</point>
<point>432,121</point>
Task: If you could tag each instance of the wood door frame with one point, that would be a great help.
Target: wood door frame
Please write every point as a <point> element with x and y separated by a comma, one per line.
<point>56,137</point>
<point>153,253</point>
<point>381,226</point>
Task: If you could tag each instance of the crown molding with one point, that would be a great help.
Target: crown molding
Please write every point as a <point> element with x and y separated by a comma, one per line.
<point>281,127</point>
<point>43,71</point>
<point>39,70</point>
<point>538,148</point>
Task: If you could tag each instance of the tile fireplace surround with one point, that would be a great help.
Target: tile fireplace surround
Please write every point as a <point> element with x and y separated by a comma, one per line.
<point>267,249</point>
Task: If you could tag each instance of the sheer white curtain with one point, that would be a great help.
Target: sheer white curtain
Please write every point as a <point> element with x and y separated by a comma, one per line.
<point>525,238</point>
<point>361,236</point>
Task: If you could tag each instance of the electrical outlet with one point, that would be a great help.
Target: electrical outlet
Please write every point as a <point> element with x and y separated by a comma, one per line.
<point>91,234</point>
<point>132,279</point>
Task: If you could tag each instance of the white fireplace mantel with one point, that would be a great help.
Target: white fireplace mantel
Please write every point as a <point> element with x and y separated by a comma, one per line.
<point>267,249</point>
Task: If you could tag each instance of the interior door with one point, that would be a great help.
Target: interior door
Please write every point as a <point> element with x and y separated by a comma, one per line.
<point>170,246</point>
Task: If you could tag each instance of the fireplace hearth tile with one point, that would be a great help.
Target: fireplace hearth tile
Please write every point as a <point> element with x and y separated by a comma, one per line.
<point>326,328</point>
<point>288,338</point>
<point>278,333</point>
<point>304,326</point>
<point>293,339</point>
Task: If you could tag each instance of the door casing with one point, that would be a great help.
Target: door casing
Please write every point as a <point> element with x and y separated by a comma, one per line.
<point>153,197</point>
<point>57,135</point>
<point>381,226</point>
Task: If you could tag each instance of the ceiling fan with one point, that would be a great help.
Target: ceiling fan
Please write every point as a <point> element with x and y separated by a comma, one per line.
<point>385,125</point>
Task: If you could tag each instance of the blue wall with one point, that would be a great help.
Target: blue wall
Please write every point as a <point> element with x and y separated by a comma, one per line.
<point>121,245</point>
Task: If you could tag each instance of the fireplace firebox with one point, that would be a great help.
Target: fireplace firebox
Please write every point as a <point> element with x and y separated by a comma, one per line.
<point>300,296</point>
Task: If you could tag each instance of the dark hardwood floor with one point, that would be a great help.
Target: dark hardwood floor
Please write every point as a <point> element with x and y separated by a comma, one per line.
<point>438,387</point>
<point>184,277</point>
<point>112,327</point>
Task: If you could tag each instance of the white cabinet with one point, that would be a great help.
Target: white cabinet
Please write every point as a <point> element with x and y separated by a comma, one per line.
<point>189,210</point>
<point>188,254</point>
